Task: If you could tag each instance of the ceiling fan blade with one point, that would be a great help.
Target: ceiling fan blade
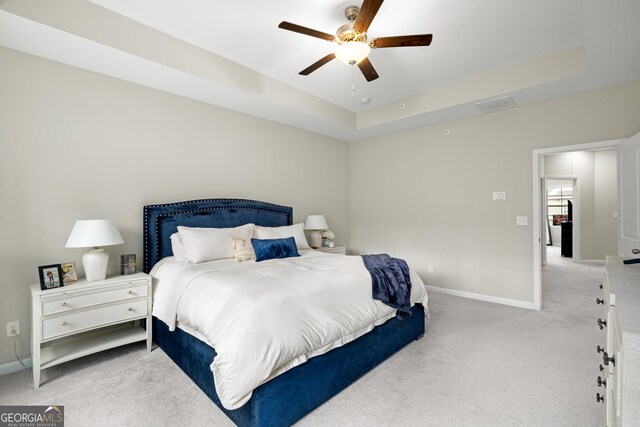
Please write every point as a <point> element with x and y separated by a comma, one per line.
<point>306,31</point>
<point>367,70</point>
<point>367,12</point>
<point>403,41</point>
<point>311,68</point>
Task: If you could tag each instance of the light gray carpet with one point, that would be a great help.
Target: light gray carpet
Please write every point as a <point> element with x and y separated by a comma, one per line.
<point>479,364</point>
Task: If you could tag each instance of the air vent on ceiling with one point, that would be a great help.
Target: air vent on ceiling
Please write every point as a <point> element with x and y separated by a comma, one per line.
<point>496,104</point>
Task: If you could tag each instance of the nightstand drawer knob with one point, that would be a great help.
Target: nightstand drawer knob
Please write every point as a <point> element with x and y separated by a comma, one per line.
<point>599,349</point>
<point>599,398</point>
<point>599,301</point>
<point>65,324</point>
<point>130,309</point>
<point>130,292</point>
<point>64,304</point>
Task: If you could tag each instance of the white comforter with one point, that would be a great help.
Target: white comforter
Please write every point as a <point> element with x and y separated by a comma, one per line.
<point>264,318</point>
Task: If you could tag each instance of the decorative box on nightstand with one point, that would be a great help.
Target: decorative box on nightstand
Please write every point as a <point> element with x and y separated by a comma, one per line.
<point>342,250</point>
<point>83,318</point>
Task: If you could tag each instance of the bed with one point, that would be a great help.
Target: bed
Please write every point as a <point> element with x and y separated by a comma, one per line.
<point>288,396</point>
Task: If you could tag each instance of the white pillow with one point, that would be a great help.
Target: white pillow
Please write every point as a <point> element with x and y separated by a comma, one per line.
<point>296,230</point>
<point>206,244</point>
<point>177,247</point>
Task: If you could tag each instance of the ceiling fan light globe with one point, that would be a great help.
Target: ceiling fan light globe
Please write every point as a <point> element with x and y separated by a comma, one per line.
<point>352,53</point>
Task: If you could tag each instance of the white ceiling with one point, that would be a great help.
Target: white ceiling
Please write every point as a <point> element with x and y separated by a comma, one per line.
<point>530,50</point>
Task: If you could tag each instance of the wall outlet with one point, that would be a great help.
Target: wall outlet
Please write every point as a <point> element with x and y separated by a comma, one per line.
<point>13,328</point>
<point>429,268</point>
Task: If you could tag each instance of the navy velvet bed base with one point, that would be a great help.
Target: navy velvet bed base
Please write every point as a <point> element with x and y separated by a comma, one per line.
<point>290,396</point>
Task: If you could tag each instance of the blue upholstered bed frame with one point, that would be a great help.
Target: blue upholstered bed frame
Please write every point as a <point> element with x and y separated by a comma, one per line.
<point>290,396</point>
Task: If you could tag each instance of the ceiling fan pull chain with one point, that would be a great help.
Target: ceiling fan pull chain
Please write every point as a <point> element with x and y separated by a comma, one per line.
<point>353,84</point>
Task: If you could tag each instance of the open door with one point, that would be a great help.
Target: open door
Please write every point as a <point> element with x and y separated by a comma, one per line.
<point>629,196</point>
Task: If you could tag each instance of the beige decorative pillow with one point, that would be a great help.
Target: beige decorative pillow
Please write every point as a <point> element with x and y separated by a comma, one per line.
<point>242,249</point>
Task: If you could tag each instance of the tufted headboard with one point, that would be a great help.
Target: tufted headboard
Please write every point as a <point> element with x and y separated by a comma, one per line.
<point>161,221</point>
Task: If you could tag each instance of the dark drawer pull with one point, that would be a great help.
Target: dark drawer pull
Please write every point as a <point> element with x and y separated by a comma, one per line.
<point>599,398</point>
<point>601,368</point>
<point>601,382</point>
<point>600,349</point>
<point>602,323</point>
<point>600,285</point>
<point>606,359</point>
<point>599,301</point>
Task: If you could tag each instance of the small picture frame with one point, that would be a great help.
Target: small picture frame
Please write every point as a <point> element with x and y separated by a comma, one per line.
<point>127,264</point>
<point>50,276</point>
<point>69,272</point>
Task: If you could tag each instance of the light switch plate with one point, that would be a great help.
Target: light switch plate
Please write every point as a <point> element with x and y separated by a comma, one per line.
<point>499,195</point>
<point>522,220</point>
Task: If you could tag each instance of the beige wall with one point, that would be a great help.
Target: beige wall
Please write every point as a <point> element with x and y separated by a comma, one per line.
<point>598,197</point>
<point>75,144</point>
<point>426,196</point>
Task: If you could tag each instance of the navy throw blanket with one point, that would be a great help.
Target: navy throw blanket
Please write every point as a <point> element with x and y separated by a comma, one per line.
<point>390,282</point>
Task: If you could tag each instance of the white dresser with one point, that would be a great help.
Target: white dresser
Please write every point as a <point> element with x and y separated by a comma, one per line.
<point>620,368</point>
<point>87,317</point>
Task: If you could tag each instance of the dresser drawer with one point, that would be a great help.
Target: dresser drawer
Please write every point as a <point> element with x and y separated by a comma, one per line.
<point>72,302</point>
<point>89,319</point>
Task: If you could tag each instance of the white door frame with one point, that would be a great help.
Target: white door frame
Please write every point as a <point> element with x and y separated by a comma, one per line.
<point>575,246</point>
<point>537,234</point>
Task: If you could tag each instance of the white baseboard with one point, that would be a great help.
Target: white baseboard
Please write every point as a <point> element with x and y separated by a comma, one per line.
<point>482,297</point>
<point>11,367</point>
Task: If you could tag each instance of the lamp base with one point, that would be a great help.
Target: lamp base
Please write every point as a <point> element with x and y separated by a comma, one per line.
<point>315,239</point>
<point>95,264</point>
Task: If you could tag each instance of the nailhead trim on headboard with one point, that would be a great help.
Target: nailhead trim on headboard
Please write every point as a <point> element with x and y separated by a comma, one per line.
<point>257,206</point>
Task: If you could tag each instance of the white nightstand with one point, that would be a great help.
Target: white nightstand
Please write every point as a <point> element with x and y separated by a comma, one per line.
<point>342,250</point>
<point>83,318</point>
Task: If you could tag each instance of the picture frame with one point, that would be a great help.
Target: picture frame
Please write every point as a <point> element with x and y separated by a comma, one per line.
<point>69,272</point>
<point>50,276</point>
<point>127,264</point>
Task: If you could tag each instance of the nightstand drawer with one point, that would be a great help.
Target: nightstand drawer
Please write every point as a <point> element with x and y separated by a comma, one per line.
<point>71,302</point>
<point>342,250</point>
<point>84,320</point>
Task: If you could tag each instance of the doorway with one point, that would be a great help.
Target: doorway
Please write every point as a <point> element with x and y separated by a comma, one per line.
<point>540,220</point>
<point>561,210</point>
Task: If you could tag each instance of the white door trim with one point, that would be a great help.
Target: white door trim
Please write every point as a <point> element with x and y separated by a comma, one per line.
<point>537,235</point>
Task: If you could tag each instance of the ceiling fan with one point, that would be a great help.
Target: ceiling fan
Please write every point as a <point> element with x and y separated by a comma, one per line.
<point>351,39</point>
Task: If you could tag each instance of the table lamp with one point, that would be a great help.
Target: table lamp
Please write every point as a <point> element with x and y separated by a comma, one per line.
<point>94,233</point>
<point>316,223</point>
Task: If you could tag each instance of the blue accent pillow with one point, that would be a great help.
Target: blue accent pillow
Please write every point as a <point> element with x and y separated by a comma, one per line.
<point>274,248</point>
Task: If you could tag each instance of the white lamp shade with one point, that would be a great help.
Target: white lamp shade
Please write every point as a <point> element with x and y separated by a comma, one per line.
<point>94,233</point>
<point>316,222</point>
<point>352,52</point>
